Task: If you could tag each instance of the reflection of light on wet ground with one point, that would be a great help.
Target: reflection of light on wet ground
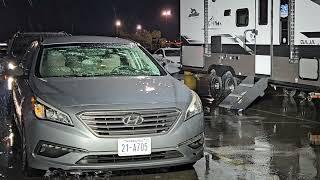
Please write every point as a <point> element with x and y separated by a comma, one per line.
<point>268,141</point>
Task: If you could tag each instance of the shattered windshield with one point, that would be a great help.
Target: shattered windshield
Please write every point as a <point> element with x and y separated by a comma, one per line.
<point>97,60</point>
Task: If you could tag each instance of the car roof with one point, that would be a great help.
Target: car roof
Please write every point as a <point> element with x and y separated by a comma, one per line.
<point>85,39</point>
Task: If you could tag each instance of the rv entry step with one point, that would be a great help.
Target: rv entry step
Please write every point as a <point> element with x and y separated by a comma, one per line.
<point>244,94</point>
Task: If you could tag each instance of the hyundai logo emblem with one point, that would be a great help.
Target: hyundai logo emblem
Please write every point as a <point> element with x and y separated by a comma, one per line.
<point>132,119</point>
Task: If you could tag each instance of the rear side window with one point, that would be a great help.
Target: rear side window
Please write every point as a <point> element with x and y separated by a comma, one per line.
<point>242,17</point>
<point>263,12</point>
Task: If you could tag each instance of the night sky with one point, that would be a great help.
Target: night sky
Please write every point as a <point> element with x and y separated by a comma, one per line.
<point>86,17</point>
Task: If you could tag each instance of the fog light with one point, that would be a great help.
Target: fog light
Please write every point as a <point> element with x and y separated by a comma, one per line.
<point>52,150</point>
<point>196,144</point>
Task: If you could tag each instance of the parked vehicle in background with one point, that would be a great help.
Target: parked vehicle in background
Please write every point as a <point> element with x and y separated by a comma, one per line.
<point>3,49</point>
<point>3,52</point>
<point>169,58</point>
<point>97,103</point>
<point>21,40</point>
<point>18,46</point>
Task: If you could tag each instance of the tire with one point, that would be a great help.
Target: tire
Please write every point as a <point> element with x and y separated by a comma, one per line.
<point>229,83</point>
<point>215,86</point>
<point>289,92</point>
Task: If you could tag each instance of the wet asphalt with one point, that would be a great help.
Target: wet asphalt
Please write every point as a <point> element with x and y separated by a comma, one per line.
<point>269,141</point>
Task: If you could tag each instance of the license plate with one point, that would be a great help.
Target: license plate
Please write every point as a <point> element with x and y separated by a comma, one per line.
<point>134,146</point>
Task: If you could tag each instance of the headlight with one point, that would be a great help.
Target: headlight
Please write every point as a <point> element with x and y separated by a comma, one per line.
<point>44,111</point>
<point>195,106</point>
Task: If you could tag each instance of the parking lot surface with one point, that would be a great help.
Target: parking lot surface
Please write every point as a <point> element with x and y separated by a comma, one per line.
<point>268,141</point>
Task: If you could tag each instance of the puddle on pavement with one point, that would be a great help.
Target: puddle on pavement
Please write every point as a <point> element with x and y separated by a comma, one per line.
<point>268,141</point>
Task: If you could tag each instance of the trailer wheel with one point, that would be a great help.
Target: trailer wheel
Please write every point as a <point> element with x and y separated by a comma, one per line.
<point>229,82</point>
<point>289,92</point>
<point>215,86</point>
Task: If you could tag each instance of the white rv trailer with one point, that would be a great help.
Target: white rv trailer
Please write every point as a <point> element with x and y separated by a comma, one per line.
<point>274,39</point>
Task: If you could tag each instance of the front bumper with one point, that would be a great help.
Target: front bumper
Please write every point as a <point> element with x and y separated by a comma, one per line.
<point>177,139</point>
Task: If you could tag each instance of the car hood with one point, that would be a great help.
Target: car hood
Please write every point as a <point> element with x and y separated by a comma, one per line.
<point>128,92</point>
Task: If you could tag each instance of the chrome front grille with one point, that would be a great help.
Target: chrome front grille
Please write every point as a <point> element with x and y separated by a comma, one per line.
<point>105,123</point>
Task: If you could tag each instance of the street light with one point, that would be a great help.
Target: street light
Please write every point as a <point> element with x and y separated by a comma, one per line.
<point>139,27</point>
<point>166,14</point>
<point>118,25</point>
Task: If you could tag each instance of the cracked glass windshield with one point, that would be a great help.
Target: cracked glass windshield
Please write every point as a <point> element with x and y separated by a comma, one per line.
<point>93,61</point>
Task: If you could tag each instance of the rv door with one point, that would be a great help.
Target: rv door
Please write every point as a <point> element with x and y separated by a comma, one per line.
<point>263,37</point>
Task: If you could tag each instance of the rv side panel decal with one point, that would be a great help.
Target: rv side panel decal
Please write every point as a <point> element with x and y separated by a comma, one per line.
<point>192,21</point>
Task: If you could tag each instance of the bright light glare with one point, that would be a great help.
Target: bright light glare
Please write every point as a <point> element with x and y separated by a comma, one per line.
<point>10,81</point>
<point>166,13</point>
<point>118,23</point>
<point>11,66</point>
<point>139,27</point>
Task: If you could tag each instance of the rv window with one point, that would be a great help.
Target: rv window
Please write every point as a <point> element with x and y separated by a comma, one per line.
<point>263,12</point>
<point>242,17</point>
<point>227,12</point>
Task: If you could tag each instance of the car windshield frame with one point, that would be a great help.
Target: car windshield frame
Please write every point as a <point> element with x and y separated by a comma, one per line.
<point>40,59</point>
